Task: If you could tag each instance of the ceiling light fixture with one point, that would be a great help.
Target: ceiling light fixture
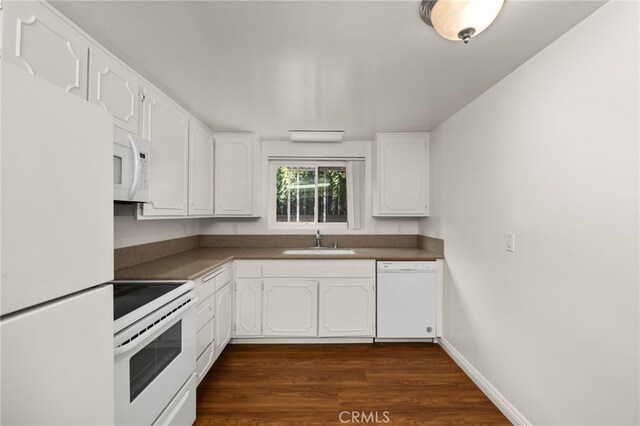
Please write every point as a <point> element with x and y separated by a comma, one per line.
<point>460,19</point>
<point>316,135</point>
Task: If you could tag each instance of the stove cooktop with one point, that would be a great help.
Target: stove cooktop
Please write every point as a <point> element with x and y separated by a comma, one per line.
<point>129,296</point>
<point>133,300</point>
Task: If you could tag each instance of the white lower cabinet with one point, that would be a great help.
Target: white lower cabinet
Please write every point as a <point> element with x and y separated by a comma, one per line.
<point>224,319</point>
<point>290,308</point>
<point>346,307</point>
<point>214,317</point>
<point>305,298</point>
<point>248,307</point>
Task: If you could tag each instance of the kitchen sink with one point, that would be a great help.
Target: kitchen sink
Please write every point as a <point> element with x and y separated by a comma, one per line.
<point>319,251</point>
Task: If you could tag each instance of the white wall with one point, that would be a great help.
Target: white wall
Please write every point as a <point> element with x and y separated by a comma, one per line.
<point>130,232</point>
<point>550,153</point>
<point>260,225</point>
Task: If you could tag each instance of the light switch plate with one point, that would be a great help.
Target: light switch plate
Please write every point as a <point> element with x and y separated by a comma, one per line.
<point>510,242</point>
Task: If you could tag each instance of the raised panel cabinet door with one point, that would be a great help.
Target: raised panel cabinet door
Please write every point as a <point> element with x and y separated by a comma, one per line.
<point>248,307</point>
<point>167,127</point>
<point>200,170</point>
<point>290,307</point>
<point>347,307</point>
<point>402,170</point>
<point>41,43</point>
<point>115,88</point>
<point>224,319</point>
<point>234,174</point>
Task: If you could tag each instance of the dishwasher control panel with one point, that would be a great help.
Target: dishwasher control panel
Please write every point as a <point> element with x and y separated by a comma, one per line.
<point>408,266</point>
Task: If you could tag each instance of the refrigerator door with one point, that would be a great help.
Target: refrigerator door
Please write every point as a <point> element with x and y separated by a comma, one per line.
<point>57,189</point>
<point>57,362</point>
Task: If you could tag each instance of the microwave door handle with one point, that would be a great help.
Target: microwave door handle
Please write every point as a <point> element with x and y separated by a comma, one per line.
<point>136,167</point>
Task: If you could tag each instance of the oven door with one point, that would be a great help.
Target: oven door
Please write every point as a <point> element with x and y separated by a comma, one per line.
<point>154,358</point>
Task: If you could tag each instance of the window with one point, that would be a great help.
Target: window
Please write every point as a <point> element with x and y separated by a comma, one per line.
<point>314,192</point>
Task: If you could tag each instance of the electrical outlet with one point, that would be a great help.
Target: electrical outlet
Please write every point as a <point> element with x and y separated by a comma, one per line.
<point>510,242</point>
<point>399,228</point>
<point>184,229</point>
<point>234,228</point>
<point>377,228</point>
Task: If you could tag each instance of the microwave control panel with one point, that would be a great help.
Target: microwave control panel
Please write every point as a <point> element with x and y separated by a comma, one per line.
<point>144,172</point>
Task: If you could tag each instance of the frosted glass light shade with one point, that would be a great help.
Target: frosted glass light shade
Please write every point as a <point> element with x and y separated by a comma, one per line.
<point>450,18</point>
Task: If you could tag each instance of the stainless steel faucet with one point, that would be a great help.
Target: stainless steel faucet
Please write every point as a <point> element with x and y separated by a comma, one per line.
<point>318,239</point>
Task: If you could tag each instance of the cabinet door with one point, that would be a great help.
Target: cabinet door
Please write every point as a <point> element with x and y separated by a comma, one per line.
<point>290,307</point>
<point>167,127</point>
<point>234,159</point>
<point>347,307</point>
<point>401,182</point>
<point>115,88</point>
<point>223,319</point>
<point>39,42</point>
<point>200,170</point>
<point>248,307</point>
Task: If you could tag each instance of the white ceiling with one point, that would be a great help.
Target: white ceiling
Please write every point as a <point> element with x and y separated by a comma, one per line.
<point>360,66</point>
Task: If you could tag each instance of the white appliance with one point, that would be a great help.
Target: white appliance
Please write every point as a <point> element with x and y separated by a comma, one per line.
<point>406,300</point>
<point>131,163</point>
<point>56,325</point>
<point>155,352</point>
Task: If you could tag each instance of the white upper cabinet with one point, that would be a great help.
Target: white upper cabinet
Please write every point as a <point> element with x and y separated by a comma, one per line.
<point>115,88</point>
<point>237,169</point>
<point>39,42</point>
<point>166,125</point>
<point>200,170</point>
<point>400,184</point>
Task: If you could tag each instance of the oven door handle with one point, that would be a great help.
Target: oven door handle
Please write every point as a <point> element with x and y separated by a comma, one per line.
<point>139,340</point>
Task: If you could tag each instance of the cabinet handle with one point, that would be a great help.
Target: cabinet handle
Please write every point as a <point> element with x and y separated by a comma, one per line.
<point>210,276</point>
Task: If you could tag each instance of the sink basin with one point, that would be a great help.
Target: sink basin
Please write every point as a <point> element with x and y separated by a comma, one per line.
<point>319,251</point>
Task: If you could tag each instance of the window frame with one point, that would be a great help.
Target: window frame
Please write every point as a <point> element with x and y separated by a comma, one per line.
<point>274,163</point>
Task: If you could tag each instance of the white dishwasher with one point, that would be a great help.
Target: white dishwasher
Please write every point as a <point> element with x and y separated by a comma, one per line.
<point>406,300</point>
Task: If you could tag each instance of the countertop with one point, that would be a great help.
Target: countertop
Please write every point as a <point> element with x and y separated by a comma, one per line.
<point>194,263</point>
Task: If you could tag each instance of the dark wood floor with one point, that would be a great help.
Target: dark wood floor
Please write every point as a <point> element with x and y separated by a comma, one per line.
<point>324,384</point>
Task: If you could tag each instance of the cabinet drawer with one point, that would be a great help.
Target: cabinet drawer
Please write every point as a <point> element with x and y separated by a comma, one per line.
<point>204,337</point>
<point>204,290</point>
<point>248,269</point>
<point>223,278</point>
<point>205,312</point>
<point>204,362</point>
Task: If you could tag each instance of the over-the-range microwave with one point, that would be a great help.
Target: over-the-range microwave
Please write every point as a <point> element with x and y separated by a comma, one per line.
<point>131,163</point>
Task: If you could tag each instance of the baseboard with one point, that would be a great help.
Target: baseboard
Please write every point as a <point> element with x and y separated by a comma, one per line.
<point>388,340</point>
<point>299,340</point>
<point>485,386</point>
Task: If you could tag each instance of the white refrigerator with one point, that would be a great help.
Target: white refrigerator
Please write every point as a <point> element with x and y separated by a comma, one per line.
<point>56,233</point>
